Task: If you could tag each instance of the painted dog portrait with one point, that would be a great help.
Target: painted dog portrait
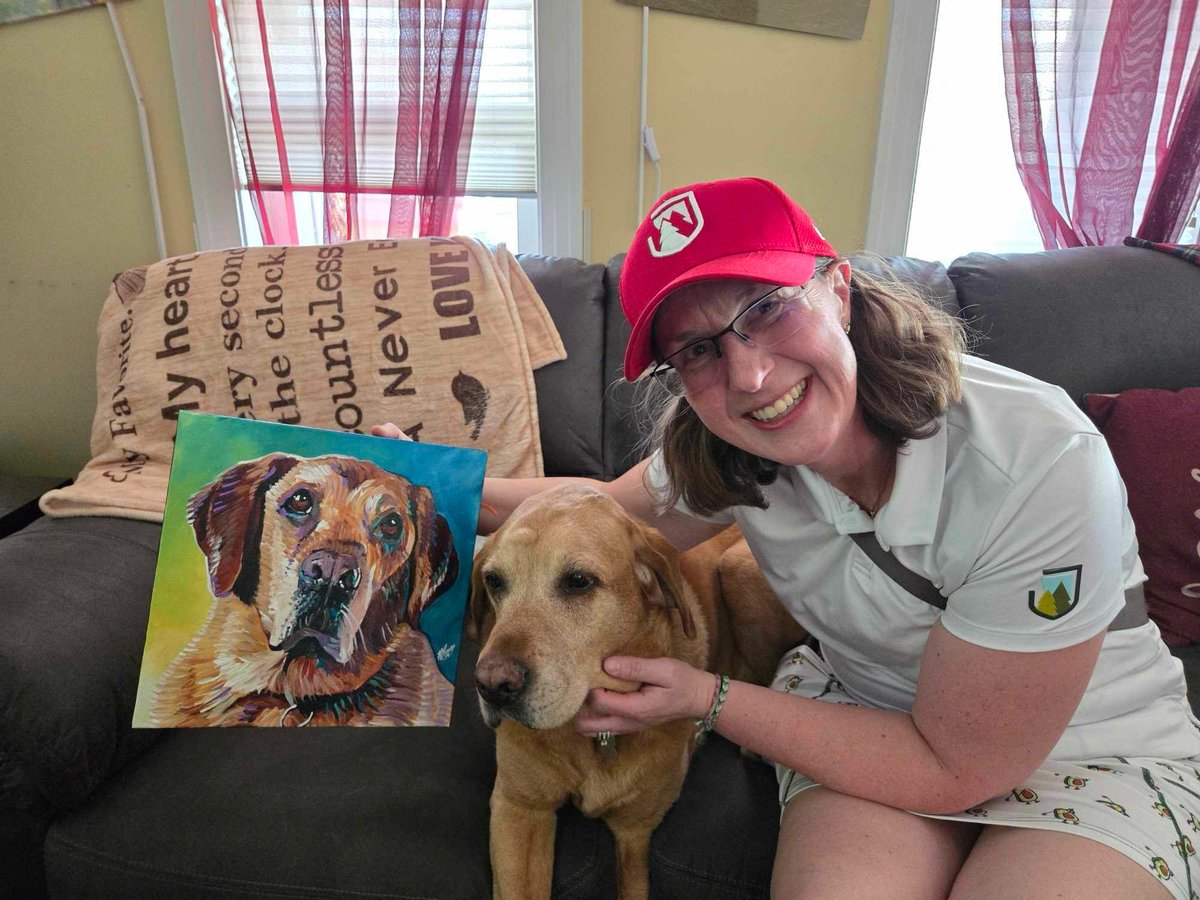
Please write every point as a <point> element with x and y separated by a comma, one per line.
<point>320,569</point>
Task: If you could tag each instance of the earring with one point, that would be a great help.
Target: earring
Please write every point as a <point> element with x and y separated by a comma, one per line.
<point>846,328</point>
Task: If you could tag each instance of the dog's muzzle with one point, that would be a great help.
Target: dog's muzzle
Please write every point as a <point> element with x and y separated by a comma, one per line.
<point>325,586</point>
<point>331,574</point>
<point>501,683</point>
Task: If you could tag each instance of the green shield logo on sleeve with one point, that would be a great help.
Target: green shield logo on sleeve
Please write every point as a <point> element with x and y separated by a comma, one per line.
<point>1059,592</point>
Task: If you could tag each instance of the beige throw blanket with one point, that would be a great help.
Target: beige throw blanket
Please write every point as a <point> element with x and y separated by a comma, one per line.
<point>439,335</point>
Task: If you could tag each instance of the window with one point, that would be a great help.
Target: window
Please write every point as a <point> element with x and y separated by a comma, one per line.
<point>946,181</point>
<point>968,195</point>
<point>524,176</point>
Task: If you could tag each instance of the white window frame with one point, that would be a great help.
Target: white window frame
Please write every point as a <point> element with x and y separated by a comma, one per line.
<point>211,171</point>
<point>901,111</point>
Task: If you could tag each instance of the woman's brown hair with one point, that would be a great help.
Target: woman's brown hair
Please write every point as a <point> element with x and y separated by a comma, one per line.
<point>908,352</point>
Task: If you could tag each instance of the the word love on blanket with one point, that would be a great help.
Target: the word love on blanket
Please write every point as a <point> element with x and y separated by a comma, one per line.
<point>439,335</point>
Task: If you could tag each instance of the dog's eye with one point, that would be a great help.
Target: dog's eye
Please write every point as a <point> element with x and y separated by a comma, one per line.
<point>390,527</point>
<point>577,582</point>
<point>300,503</point>
<point>494,582</point>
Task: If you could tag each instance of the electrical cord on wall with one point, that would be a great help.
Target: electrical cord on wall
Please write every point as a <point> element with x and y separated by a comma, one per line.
<point>647,146</point>
<point>144,126</point>
<point>651,148</point>
<point>641,166</point>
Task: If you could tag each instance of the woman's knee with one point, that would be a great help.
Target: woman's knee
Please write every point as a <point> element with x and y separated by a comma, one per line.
<point>835,845</point>
<point>1009,861</point>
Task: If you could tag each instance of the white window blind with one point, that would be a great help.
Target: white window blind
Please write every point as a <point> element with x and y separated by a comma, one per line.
<point>504,144</point>
<point>503,159</point>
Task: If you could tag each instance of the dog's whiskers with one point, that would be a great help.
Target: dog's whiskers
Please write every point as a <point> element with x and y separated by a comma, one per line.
<point>358,635</point>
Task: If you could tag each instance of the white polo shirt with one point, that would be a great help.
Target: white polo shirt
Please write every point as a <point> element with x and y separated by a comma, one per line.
<point>1014,509</point>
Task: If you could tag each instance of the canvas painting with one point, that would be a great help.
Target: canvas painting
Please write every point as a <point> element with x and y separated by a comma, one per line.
<point>308,578</point>
<point>18,10</point>
<point>835,18</point>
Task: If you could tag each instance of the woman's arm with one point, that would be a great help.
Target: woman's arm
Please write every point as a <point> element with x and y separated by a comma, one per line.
<point>502,495</point>
<point>982,720</point>
<point>630,490</point>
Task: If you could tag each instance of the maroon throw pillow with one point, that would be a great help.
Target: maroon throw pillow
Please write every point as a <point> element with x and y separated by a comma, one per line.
<point>1154,436</point>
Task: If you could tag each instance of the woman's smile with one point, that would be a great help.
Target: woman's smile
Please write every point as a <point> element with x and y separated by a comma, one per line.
<point>772,413</point>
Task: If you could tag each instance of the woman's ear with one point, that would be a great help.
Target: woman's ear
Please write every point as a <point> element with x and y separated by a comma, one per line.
<point>838,274</point>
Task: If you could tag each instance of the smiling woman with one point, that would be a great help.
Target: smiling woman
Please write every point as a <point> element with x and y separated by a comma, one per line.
<point>899,361</point>
<point>865,456</point>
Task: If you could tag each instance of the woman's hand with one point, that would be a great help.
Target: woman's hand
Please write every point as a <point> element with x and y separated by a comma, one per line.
<point>389,430</point>
<point>670,689</point>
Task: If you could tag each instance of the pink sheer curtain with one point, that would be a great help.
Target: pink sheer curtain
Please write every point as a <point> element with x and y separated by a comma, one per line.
<point>1104,107</point>
<point>353,112</point>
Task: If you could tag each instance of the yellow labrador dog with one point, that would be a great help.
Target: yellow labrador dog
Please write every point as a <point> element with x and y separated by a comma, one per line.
<point>320,569</point>
<point>567,581</point>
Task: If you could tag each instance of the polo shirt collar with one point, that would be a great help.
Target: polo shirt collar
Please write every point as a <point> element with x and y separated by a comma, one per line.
<point>911,513</point>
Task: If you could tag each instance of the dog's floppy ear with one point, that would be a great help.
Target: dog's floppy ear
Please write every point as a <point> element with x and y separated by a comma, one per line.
<point>433,550</point>
<point>480,606</point>
<point>227,516</point>
<point>656,565</point>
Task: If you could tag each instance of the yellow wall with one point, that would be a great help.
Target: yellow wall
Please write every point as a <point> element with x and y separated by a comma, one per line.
<point>724,100</point>
<point>75,210</point>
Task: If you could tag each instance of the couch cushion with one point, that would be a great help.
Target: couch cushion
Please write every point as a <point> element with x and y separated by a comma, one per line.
<point>327,811</point>
<point>74,594</point>
<point>1153,436</point>
<point>570,393</point>
<point>1090,319</point>
<point>74,598</point>
<point>719,838</point>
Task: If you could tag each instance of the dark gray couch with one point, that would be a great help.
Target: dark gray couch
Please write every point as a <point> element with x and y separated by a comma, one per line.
<point>89,807</point>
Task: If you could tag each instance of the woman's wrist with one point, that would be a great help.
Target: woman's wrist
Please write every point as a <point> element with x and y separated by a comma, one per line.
<point>707,718</point>
<point>705,694</point>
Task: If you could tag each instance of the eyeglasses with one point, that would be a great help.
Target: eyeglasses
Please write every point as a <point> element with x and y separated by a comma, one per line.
<point>773,317</point>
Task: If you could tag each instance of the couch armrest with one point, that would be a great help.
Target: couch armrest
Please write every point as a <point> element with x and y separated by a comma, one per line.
<point>74,600</point>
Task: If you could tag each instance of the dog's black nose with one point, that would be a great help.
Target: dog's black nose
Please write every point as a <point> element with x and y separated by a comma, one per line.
<point>327,568</point>
<point>500,681</point>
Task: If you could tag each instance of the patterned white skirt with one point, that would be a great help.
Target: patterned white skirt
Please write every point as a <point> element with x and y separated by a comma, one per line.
<point>1145,808</point>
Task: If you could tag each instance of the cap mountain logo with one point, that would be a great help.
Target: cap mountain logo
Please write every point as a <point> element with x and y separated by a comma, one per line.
<point>1059,593</point>
<point>676,221</point>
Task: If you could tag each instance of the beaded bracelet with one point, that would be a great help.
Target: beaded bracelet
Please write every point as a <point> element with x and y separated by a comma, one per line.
<point>709,722</point>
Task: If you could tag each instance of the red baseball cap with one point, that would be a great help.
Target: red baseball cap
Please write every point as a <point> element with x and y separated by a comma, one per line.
<point>742,228</point>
